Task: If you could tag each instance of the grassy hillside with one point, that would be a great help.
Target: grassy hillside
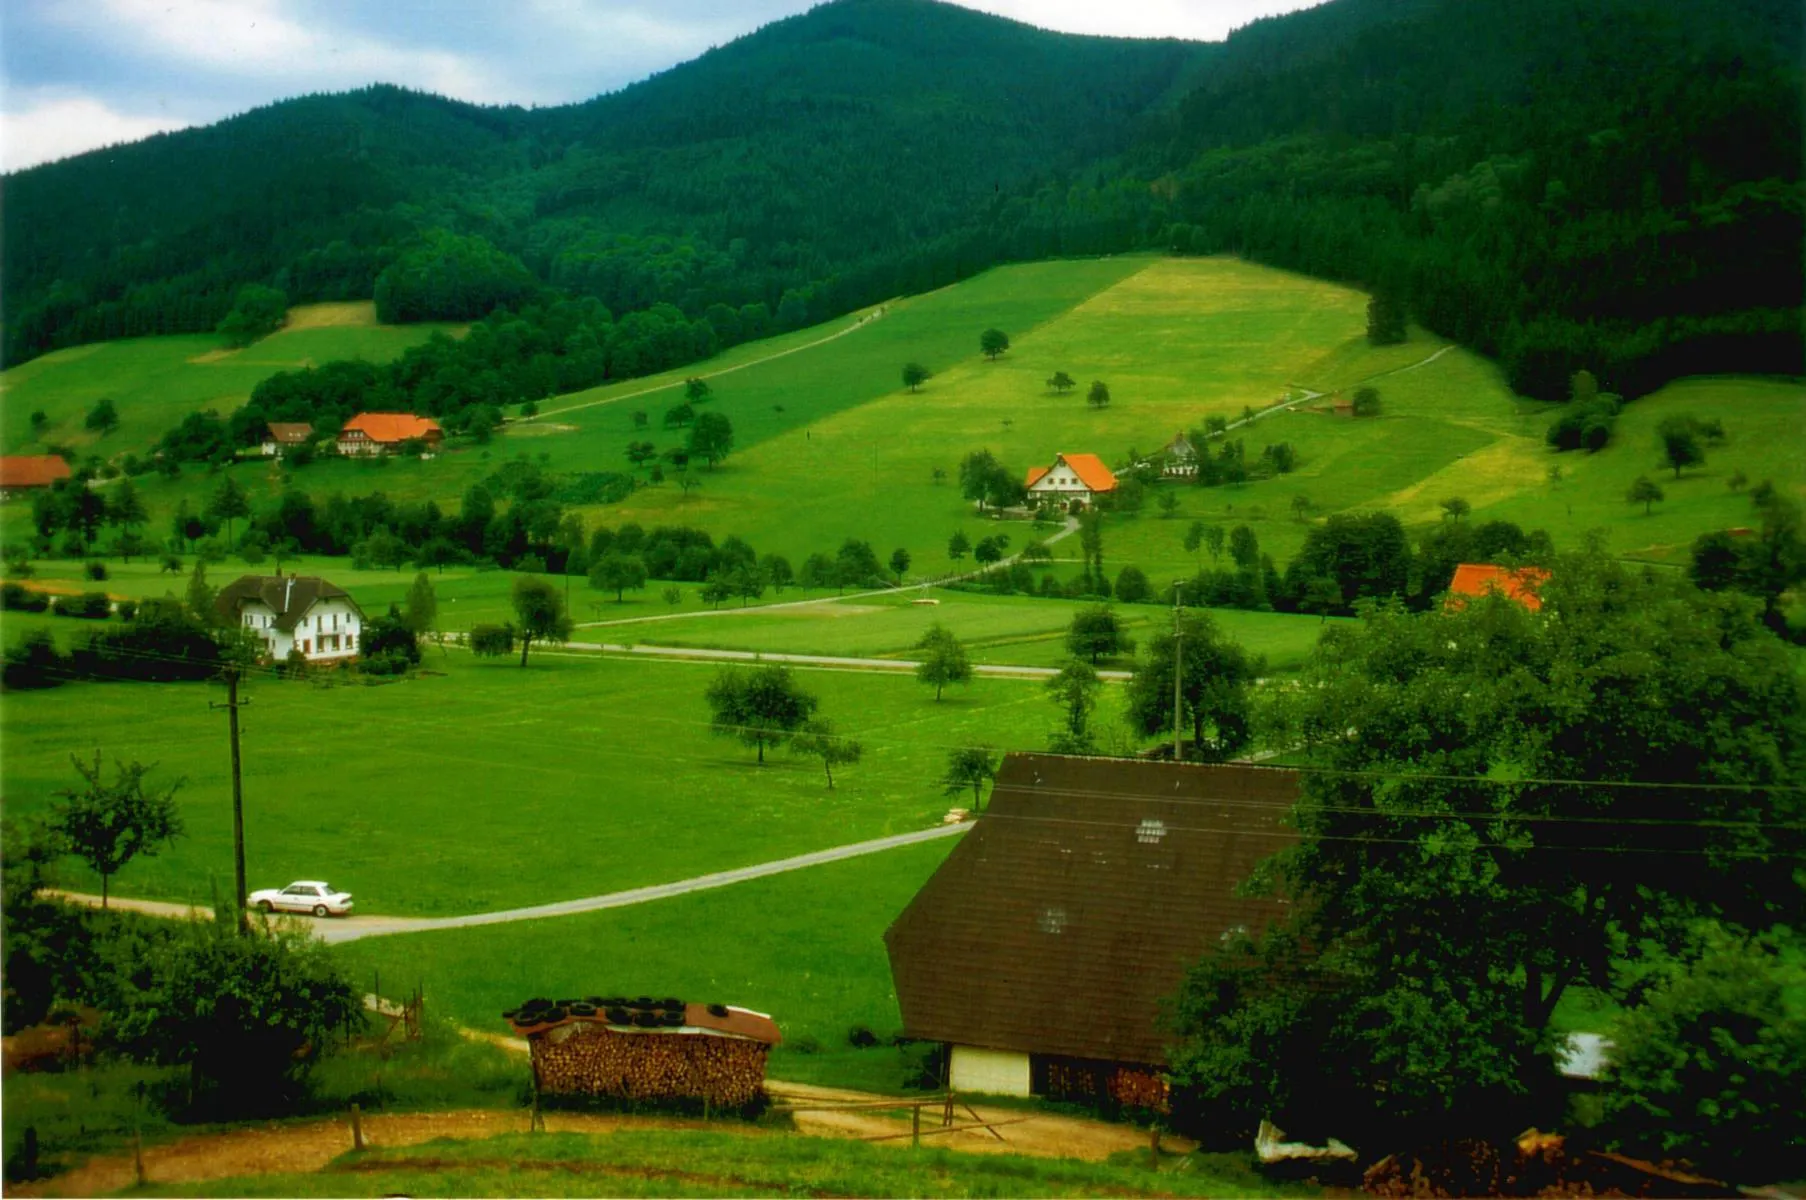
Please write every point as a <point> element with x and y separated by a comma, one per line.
<point>155,382</point>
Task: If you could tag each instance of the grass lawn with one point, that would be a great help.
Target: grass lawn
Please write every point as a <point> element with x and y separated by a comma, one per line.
<point>482,785</point>
<point>1016,630</point>
<point>806,946</point>
<point>736,1161</point>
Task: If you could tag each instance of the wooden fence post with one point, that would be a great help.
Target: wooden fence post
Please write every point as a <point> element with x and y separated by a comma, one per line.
<point>138,1153</point>
<point>357,1127</point>
<point>1153,1147</point>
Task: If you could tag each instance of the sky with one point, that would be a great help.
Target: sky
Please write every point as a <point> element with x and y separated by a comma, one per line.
<point>76,75</point>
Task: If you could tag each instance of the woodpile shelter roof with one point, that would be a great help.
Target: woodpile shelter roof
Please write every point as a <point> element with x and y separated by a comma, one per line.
<point>646,1015</point>
<point>1072,908</point>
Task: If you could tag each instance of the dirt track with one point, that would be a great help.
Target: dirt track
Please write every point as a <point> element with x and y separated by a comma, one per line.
<point>309,1146</point>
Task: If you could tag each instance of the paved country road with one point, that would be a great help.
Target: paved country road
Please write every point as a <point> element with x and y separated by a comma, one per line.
<point>351,929</point>
<point>892,666</point>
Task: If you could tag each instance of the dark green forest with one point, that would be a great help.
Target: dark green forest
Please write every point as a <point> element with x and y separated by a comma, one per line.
<point>1607,184</point>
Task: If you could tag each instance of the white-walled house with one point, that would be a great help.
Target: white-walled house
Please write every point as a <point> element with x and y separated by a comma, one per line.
<point>285,436</point>
<point>295,612</point>
<point>1082,477</point>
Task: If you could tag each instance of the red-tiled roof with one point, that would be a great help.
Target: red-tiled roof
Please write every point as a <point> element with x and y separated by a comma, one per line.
<point>392,427</point>
<point>290,433</point>
<point>1514,583</point>
<point>32,470</point>
<point>1072,908</point>
<point>1088,467</point>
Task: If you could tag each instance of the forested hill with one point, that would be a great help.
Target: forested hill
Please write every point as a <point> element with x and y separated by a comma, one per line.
<point>852,141</point>
<point>1605,183</point>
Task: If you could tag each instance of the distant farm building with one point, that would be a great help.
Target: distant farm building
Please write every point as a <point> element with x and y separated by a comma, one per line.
<point>1521,584</point>
<point>387,433</point>
<point>20,473</point>
<point>1180,458</point>
<point>294,612</point>
<point>1041,949</point>
<point>285,436</point>
<point>647,1049</point>
<point>1081,477</point>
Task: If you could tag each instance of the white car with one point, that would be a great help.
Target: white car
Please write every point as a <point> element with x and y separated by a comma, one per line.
<point>303,895</point>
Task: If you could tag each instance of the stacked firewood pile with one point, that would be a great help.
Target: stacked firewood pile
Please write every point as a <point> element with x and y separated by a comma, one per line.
<point>642,1049</point>
<point>1537,1164</point>
<point>1135,1088</point>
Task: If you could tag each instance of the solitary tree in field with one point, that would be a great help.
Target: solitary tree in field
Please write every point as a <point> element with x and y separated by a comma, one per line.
<point>1168,502</point>
<point>914,375</point>
<point>541,611</point>
<point>711,438</point>
<point>103,418</point>
<point>958,545</point>
<point>697,390</point>
<point>818,739</point>
<point>1194,537</point>
<point>1456,507</point>
<point>1096,633</point>
<point>641,453</point>
<point>1680,439</point>
<point>1099,395</point>
<point>1061,382</point>
<point>1366,402</point>
<point>1644,491</point>
<point>107,825</point>
<point>616,573</point>
<point>1213,541</point>
<point>899,563</point>
<point>970,767</point>
<point>993,342</point>
<point>1301,506</point>
<point>943,659</point>
<point>672,596</point>
<point>761,707</point>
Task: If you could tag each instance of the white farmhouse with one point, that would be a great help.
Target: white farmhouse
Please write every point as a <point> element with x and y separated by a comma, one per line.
<point>295,612</point>
<point>1081,477</point>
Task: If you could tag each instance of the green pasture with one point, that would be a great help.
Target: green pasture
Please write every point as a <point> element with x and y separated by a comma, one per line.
<point>728,1160</point>
<point>479,785</point>
<point>1016,630</point>
<point>806,946</point>
<point>155,382</point>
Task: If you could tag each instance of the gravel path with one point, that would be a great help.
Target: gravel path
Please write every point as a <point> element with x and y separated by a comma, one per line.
<point>351,929</point>
<point>890,666</point>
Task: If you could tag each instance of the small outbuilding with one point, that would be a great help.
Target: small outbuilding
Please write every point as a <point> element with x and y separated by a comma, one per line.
<point>1042,949</point>
<point>647,1049</point>
<point>285,436</point>
<point>1081,477</point>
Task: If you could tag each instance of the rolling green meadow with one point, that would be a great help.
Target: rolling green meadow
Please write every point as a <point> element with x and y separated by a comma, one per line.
<point>476,785</point>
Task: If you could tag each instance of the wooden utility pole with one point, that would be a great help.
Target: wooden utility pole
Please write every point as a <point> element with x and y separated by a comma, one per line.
<point>1178,670</point>
<point>232,705</point>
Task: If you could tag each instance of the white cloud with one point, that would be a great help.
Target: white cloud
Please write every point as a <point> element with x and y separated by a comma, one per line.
<point>253,39</point>
<point>1202,20</point>
<point>52,127</point>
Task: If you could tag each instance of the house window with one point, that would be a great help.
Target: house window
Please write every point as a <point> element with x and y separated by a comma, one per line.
<point>1150,832</point>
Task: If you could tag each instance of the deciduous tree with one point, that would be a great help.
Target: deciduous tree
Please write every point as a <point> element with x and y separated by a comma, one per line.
<point>423,606</point>
<point>618,572</point>
<point>106,825</point>
<point>1099,395</point>
<point>1061,382</point>
<point>818,739</point>
<point>914,375</point>
<point>993,342</point>
<point>760,707</point>
<point>711,438</point>
<point>1644,491</point>
<point>943,659</point>
<point>1216,679</point>
<point>970,767</point>
<point>539,607</point>
<point>1074,689</point>
<point>1095,633</point>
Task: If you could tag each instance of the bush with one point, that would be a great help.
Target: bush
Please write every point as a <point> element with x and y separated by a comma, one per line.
<point>1710,1066</point>
<point>127,609</point>
<point>861,1037</point>
<point>19,598</point>
<point>249,1015</point>
<point>95,569</point>
<point>162,644</point>
<point>34,662</point>
<point>491,641</point>
<point>89,606</point>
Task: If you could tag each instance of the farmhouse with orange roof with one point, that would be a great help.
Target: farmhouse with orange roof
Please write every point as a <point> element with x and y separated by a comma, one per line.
<point>1513,583</point>
<point>1081,477</point>
<point>23,472</point>
<point>384,433</point>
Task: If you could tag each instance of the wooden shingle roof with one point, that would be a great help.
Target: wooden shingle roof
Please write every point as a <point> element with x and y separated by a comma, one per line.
<point>1074,905</point>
